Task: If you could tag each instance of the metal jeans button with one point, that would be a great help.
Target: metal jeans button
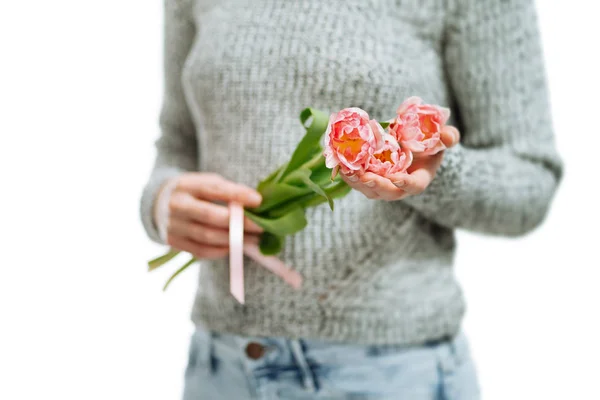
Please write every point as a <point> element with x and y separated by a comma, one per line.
<point>254,350</point>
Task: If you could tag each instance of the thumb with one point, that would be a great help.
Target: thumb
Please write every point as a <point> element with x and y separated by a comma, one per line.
<point>450,136</point>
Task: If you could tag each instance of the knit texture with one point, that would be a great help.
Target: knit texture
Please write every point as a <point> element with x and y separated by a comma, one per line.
<point>237,74</point>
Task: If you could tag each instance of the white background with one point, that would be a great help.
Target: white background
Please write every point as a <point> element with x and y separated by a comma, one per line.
<point>80,318</point>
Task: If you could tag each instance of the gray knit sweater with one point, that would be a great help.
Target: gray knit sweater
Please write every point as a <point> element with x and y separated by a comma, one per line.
<point>237,74</point>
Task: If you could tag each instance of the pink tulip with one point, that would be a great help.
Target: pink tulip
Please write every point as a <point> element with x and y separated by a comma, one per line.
<point>350,141</point>
<point>391,158</point>
<point>418,126</point>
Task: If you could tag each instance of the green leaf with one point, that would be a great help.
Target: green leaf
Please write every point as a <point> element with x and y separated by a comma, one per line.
<point>321,175</point>
<point>269,179</point>
<point>384,125</point>
<point>270,244</point>
<point>162,260</point>
<point>337,190</point>
<point>304,175</point>
<point>288,224</point>
<point>180,270</point>
<point>291,205</point>
<point>315,122</point>
<point>316,162</point>
<point>275,194</point>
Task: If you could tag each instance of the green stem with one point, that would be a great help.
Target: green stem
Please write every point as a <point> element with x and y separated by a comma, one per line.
<point>337,190</point>
<point>340,189</point>
<point>290,205</point>
<point>274,200</point>
<point>162,260</point>
<point>315,161</point>
<point>180,270</point>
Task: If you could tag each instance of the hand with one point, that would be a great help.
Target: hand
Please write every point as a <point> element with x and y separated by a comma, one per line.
<point>198,225</point>
<point>401,185</point>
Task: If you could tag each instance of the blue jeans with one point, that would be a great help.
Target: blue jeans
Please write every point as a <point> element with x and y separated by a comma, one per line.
<point>229,367</point>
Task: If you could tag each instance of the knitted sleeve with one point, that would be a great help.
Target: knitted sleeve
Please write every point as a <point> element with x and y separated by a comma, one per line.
<point>176,147</point>
<point>502,177</point>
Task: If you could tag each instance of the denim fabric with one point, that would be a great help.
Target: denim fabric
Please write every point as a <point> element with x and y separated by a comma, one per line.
<point>219,368</point>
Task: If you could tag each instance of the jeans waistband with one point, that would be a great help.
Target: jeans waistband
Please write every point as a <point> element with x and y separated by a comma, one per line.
<point>293,351</point>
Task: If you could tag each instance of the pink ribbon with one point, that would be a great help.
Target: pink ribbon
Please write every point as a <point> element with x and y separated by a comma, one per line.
<point>237,249</point>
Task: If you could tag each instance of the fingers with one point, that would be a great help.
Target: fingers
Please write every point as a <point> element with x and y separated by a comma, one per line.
<point>450,136</point>
<point>429,163</point>
<point>354,182</point>
<point>213,187</point>
<point>374,186</point>
<point>414,183</point>
<point>383,187</point>
<point>420,175</point>
<point>197,250</point>
<point>204,234</point>
<point>201,234</point>
<point>398,186</point>
<point>184,206</point>
<point>249,225</point>
<point>202,241</point>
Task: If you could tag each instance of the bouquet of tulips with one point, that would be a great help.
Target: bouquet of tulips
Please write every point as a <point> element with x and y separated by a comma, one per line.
<point>347,141</point>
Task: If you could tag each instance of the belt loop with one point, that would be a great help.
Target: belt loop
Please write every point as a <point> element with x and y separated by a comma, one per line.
<point>308,378</point>
<point>203,345</point>
<point>460,348</point>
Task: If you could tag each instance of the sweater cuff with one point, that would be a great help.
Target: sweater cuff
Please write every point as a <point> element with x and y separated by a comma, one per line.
<point>149,197</point>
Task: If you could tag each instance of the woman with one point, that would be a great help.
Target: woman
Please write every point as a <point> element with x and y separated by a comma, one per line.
<point>380,312</point>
